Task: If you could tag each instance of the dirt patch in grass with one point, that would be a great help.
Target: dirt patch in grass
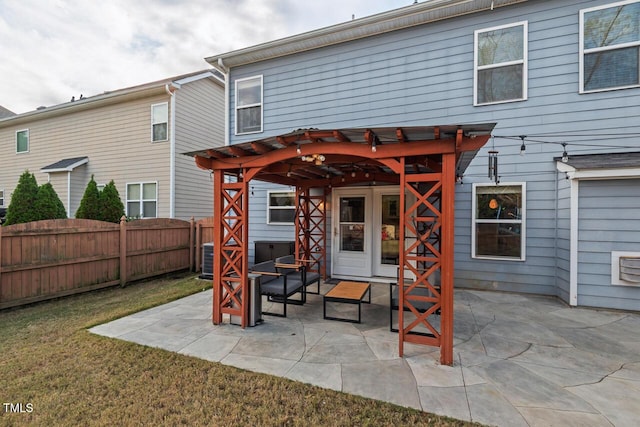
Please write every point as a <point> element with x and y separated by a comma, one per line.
<point>69,376</point>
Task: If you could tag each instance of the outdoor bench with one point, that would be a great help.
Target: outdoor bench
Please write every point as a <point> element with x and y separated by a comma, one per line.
<point>288,264</point>
<point>279,286</point>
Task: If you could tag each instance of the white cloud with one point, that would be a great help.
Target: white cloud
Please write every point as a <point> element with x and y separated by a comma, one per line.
<point>56,49</point>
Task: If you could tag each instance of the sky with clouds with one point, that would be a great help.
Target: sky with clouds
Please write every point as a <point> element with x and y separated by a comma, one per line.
<point>54,49</point>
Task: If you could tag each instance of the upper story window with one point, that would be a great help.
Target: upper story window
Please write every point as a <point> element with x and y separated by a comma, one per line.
<point>609,46</point>
<point>142,200</point>
<point>281,207</point>
<point>500,64</point>
<point>22,141</point>
<point>1,197</point>
<point>159,122</point>
<point>249,105</point>
<point>499,221</point>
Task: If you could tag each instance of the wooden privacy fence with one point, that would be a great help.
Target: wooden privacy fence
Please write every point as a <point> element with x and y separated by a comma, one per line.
<point>48,259</point>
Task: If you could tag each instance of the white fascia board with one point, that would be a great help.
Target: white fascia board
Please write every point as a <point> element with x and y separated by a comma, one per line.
<point>595,174</point>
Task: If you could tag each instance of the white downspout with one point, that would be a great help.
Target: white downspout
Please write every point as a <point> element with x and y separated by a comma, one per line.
<point>573,252</point>
<point>225,72</point>
<point>68,194</point>
<point>172,148</point>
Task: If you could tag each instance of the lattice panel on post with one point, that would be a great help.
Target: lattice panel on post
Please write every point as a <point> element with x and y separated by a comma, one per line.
<point>311,229</point>
<point>232,278</point>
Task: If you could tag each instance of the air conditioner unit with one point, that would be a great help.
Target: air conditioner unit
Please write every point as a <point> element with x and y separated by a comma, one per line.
<point>207,261</point>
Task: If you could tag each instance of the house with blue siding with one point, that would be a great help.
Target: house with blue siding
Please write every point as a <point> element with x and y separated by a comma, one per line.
<point>550,205</point>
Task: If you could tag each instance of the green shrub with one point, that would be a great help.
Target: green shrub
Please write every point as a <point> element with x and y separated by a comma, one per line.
<point>21,209</point>
<point>48,205</point>
<point>111,207</point>
<point>90,204</point>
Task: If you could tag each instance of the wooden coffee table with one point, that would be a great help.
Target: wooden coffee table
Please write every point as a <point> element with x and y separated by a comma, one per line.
<point>348,293</point>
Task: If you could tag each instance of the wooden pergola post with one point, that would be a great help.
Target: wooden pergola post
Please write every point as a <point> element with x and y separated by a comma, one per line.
<point>230,248</point>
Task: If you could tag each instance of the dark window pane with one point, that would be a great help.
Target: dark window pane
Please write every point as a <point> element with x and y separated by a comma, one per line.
<point>249,119</point>
<point>160,132</point>
<point>499,206</point>
<point>612,68</point>
<point>498,239</point>
<point>149,209</point>
<point>352,209</point>
<point>352,237</point>
<point>133,209</point>
<point>281,199</point>
<point>282,215</point>
<point>500,84</point>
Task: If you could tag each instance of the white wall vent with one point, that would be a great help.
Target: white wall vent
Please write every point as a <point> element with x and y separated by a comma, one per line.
<point>625,268</point>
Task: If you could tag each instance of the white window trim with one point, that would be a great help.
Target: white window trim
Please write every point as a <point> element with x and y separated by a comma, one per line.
<point>141,199</point>
<point>269,207</point>
<point>28,141</point>
<point>260,104</point>
<point>524,61</point>
<point>583,52</point>
<point>2,198</point>
<point>154,123</point>
<point>522,221</point>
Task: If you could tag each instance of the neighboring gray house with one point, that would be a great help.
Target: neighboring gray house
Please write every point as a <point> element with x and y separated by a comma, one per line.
<point>560,215</point>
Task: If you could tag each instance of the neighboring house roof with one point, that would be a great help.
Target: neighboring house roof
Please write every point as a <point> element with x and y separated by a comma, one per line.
<point>65,165</point>
<point>111,97</point>
<point>5,113</point>
<point>405,17</point>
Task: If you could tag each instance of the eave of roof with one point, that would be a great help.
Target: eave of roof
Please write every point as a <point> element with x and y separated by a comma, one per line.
<point>110,97</point>
<point>405,17</point>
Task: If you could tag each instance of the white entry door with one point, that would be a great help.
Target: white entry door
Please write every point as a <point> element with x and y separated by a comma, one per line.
<point>351,222</point>
<point>365,232</point>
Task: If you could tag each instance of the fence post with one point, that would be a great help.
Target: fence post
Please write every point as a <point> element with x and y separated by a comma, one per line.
<point>191,242</point>
<point>198,244</point>
<point>123,251</point>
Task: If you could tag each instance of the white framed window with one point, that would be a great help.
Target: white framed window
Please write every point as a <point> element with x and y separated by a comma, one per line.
<point>500,64</point>
<point>22,141</point>
<point>142,200</point>
<point>610,47</point>
<point>499,221</point>
<point>1,197</point>
<point>160,122</point>
<point>281,207</point>
<point>249,105</point>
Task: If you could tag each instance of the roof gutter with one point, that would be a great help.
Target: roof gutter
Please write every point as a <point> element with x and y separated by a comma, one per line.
<point>406,17</point>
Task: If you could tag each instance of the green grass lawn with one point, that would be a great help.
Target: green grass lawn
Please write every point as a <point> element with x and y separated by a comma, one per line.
<point>74,378</point>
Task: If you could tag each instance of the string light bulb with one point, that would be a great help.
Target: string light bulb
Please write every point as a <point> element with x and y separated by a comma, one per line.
<point>565,155</point>
<point>523,148</point>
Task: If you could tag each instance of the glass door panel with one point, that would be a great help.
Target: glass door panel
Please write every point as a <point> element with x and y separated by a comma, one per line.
<point>352,224</point>
<point>390,238</point>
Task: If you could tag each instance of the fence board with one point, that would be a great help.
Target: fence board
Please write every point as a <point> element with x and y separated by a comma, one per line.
<point>47,259</point>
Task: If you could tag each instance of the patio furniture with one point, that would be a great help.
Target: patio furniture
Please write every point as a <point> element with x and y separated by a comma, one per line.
<point>420,297</point>
<point>288,264</point>
<point>278,286</point>
<point>348,293</point>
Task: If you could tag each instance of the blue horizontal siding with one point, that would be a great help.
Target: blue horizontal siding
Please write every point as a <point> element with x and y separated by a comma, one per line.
<point>424,76</point>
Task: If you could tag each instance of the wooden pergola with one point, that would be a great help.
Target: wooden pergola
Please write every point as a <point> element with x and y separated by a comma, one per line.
<point>423,161</point>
